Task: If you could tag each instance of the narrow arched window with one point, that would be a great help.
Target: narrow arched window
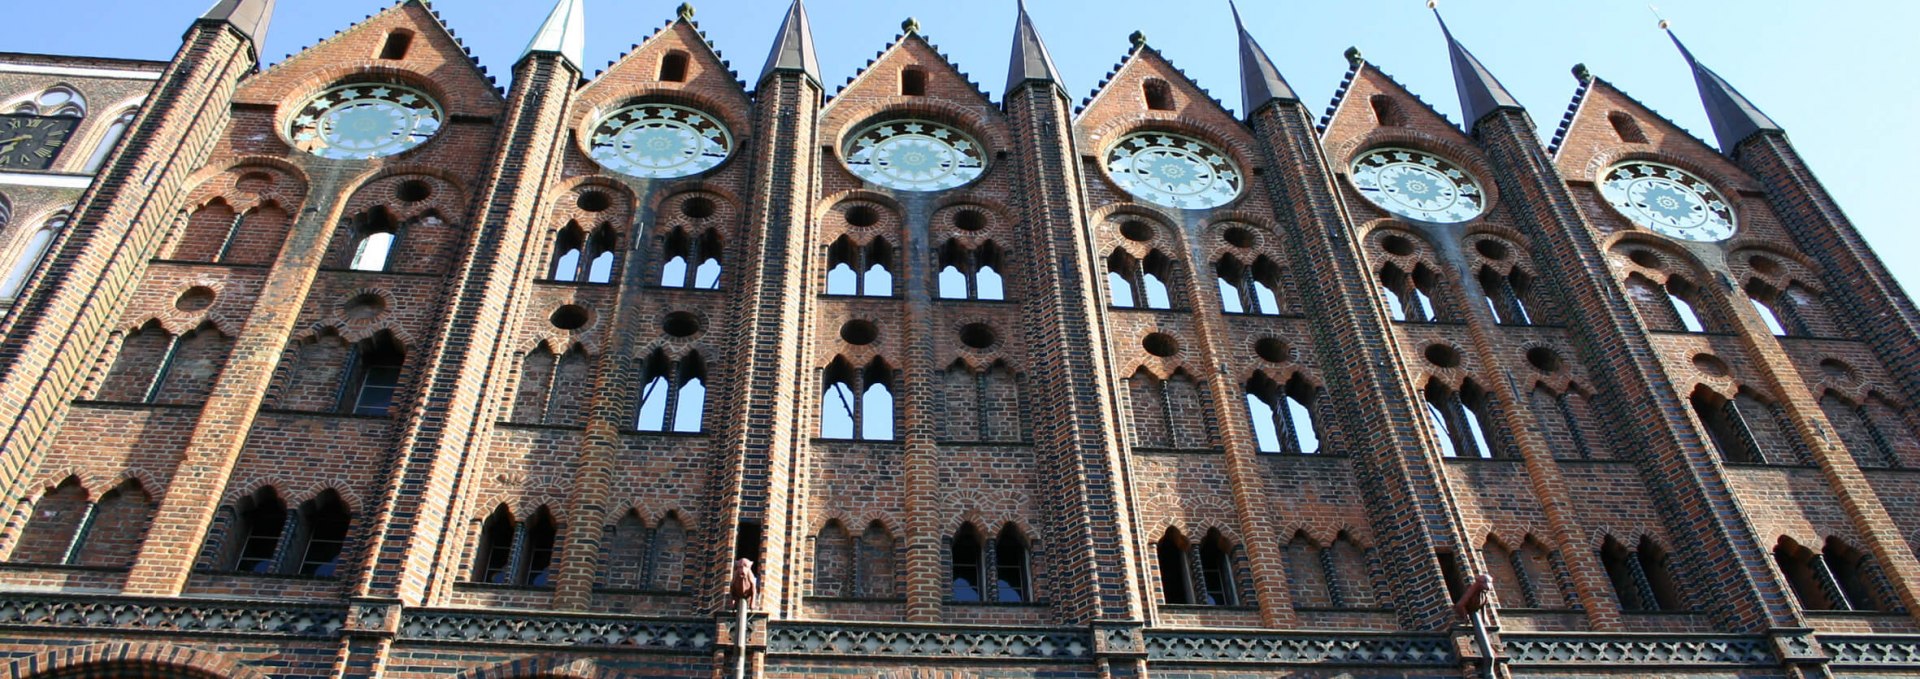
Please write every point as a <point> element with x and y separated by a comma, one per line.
<point>673,394</point>
<point>969,273</point>
<point>1283,420</point>
<point>1461,420</point>
<point>1506,296</point>
<point>322,537</point>
<point>1806,573</point>
<point>260,523</point>
<point>833,565</point>
<point>1640,576</point>
<point>1855,574</point>
<point>537,562</point>
<point>1155,273</point>
<point>56,524</point>
<point>1409,297</point>
<point>1726,427</point>
<point>877,280</point>
<point>913,82</point>
<point>1011,584</point>
<point>855,270</point>
<point>969,558</point>
<point>116,130</point>
<point>28,257</point>
<point>1386,112</point>
<point>1216,571</point>
<point>396,45</point>
<point>673,67</point>
<point>372,376</point>
<point>568,250</point>
<point>493,556</point>
<point>1122,270</point>
<point>857,404</point>
<point>1176,581</point>
<point>876,406</point>
<point>1626,128</point>
<point>375,235</point>
<point>666,559</point>
<point>1679,294</point>
<point>1777,310</point>
<point>1158,95</point>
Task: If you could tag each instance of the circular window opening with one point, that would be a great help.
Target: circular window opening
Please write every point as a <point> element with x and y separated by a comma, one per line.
<point>1644,258</point>
<point>1161,344</point>
<point>196,298</point>
<point>1491,249</point>
<point>1711,365</point>
<point>698,207</point>
<point>1765,265</point>
<point>863,216</point>
<point>977,335</point>
<point>1136,231</point>
<point>681,324</point>
<point>366,306</point>
<point>569,317</point>
<point>1442,355</point>
<point>859,333</point>
<point>1397,246</point>
<point>413,191</point>
<point>969,220</point>
<point>594,201</point>
<point>1272,350</point>
<point>1836,369</point>
<point>1543,359</point>
<point>1238,237</point>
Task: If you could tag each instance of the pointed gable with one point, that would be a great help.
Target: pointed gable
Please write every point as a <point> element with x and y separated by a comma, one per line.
<point>1372,100</point>
<point>1606,124</point>
<point>1147,86</point>
<point>432,59</point>
<point>885,83</point>
<point>676,59</point>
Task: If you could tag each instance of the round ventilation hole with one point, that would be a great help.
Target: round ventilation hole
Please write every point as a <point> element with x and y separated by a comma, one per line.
<point>1161,344</point>
<point>698,207</point>
<point>1272,350</point>
<point>1136,231</point>
<point>366,306</point>
<point>196,298</point>
<point>681,324</point>
<point>1491,249</point>
<point>969,220</point>
<point>859,333</point>
<point>863,216</point>
<point>594,201</point>
<point>1710,364</point>
<point>1644,258</point>
<point>1398,246</point>
<point>569,317</point>
<point>413,191</point>
<point>1543,359</point>
<point>1238,237</point>
<point>977,335</point>
<point>1442,355</point>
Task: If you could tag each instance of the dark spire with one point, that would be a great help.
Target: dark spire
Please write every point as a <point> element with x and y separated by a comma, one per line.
<point>1480,93</point>
<point>250,17</point>
<point>564,33</point>
<point>793,46</point>
<point>1734,118</point>
<point>1030,58</point>
<point>1260,80</point>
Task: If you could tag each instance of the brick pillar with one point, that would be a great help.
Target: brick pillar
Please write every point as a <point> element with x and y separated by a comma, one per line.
<point>918,417</point>
<point>418,532</point>
<point>1715,543</point>
<point>1395,467</point>
<point>759,463</point>
<point>1876,309</point>
<point>1094,547</point>
<point>68,307</point>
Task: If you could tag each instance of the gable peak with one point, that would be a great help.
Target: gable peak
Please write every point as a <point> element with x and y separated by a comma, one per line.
<point>793,47</point>
<point>1734,117</point>
<point>1481,94</point>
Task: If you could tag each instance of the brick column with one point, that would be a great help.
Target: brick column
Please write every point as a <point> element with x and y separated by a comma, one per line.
<point>759,456</point>
<point>1395,463</point>
<point>1094,546</point>
<point>926,581</point>
<point>68,307</point>
<point>1715,543</point>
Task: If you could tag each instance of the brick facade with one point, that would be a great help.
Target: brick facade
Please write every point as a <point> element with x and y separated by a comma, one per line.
<point>533,435</point>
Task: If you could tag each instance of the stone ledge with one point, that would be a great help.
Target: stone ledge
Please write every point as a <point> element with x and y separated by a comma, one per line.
<point>1639,650</point>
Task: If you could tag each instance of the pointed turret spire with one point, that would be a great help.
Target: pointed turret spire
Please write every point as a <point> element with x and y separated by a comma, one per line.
<point>564,33</point>
<point>1734,117</point>
<point>793,46</point>
<point>1260,80</point>
<point>1480,92</point>
<point>250,17</point>
<point>1030,58</point>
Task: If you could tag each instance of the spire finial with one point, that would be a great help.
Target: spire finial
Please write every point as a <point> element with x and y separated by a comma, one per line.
<point>910,26</point>
<point>686,11</point>
<point>1030,61</point>
<point>564,33</point>
<point>793,46</point>
<point>250,17</point>
<point>1139,39</point>
<point>1734,118</point>
<point>1354,57</point>
<point>1480,93</point>
<point>1663,23</point>
<point>1260,80</point>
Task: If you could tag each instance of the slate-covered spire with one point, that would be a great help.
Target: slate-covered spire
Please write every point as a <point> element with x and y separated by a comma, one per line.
<point>1480,92</point>
<point>250,17</point>
<point>1260,80</point>
<point>564,33</point>
<point>793,46</point>
<point>1734,118</point>
<point>1030,58</point>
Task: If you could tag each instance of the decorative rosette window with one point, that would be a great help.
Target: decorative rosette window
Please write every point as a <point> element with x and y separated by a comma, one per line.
<point>1668,200</point>
<point>365,120</point>
<point>1174,171</point>
<point>915,155</point>
<point>660,141</point>
<point>1418,186</point>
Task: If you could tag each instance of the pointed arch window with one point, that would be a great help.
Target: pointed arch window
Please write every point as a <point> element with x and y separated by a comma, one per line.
<point>1216,571</point>
<point>1011,584</point>
<point>29,255</point>
<point>971,273</point>
<point>373,376</point>
<point>691,262</point>
<point>1410,297</point>
<point>1640,577</point>
<point>1283,416</point>
<point>116,130</point>
<point>832,561</point>
<point>1626,128</point>
<point>1681,294</point>
<point>857,404</point>
<point>583,258</point>
<point>1386,112</point>
<point>1249,289</point>
<point>1158,94</point>
<point>1780,311</point>
<point>515,553</point>
<point>673,396</point>
<point>1463,420</point>
<point>1726,427</point>
<point>260,521</point>
<point>1507,296</point>
<point>321,538</point>
<point>969,561</point>
<point>862,271</point>
<point>57,525</point>
<point>1176,581</point>
<point>673,67</point>
<point>1135,284</point>
<point>375,235</point>
<point>1857,577</point>
<point>1859,426</point>
<point>1807,574</point>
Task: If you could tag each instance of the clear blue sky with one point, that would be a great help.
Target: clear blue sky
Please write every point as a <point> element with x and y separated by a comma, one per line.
<point>1839,75</point>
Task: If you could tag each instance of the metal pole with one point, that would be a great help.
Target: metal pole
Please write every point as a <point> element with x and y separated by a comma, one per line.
<point>1486,646</point>
<point>740,640</point>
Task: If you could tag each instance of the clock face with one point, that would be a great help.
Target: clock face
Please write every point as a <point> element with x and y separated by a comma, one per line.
<point>1668,201</point>
<point>915,155</point>
<point>365,120</point>
<point>33,142</point>
<point>1174,171</point>
<point>660,141</point>
<point>1417,186</point>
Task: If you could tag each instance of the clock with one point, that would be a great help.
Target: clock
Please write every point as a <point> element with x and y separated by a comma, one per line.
<point>33,142</point>
<point>1417,186</point>
<point>915,155</point>
<point>1173,170</point>
<point>365,120</point>
<point>1668,200</point>
<point>660,141</point>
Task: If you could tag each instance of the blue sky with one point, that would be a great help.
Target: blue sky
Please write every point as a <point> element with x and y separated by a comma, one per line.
<point>1839,75</point>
